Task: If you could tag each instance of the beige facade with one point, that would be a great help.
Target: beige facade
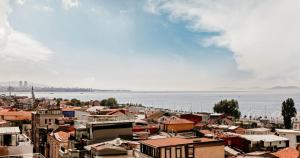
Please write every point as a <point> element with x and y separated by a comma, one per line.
<point>183,148</point>
<point>209,151</point>
<point>42,121</point>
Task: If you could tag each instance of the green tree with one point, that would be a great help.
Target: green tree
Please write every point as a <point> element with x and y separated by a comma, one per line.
<point>228,107</point>
<point>103,102</point>
<point>111,102</point>
<point>74,102</point>
<point>288,111</point>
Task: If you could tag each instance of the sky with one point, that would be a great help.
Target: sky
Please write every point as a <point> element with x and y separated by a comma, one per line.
<point>151,44</point>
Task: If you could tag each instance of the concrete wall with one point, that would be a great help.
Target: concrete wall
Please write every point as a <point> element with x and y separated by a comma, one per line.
<point>279,144</point>
<point>292,137</point>
<point>111,133</point>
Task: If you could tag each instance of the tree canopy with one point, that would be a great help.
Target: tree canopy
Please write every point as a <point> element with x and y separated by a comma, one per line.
<point>228,107</point>
<point>110,102</point>
<point>288,111</point>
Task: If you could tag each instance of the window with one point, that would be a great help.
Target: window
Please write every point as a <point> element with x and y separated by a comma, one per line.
<point>298,138</point>
<point>168,152</point>
<point>49,121</point>
<point>45,121</point>
<point>190,151</point>
<point>178,152</point>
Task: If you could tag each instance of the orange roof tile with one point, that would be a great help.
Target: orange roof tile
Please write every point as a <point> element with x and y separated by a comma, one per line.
<point>63,136</point>
<point>166,142</point>
<point>178,121</point>
<point>206,131</point>
<point>287,153</point>
<point>10,115</point>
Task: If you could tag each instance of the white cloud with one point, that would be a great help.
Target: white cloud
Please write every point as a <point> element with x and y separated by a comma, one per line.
<point>16,45</point>
<point>262,34</point>
<point>20,45</point>
<point>20,2</point>
<point>68,4</point>
<point>44,8</point>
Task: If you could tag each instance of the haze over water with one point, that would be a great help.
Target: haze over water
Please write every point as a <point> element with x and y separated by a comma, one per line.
<point>255,103</point>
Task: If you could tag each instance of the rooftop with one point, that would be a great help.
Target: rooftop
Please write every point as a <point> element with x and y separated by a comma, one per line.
<point>287,153</point>
<point>178,121</point>
<point>174,141</point>
<point>265,138</point>
<point>62,136</point>
<point>258,129</point>
<point>287,131</point>
<point>13,115</point>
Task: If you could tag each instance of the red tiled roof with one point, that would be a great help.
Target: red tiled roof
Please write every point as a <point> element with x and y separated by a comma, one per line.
<point>63,136</point>
<point>166,142</point>
<point>10,115</point>
<point>206,131</point>
<point>287,153</point>
<point>178,121</point>
<point>70,108</point>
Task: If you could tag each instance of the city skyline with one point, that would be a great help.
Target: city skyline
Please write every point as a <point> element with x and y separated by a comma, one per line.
<point>150,44</point>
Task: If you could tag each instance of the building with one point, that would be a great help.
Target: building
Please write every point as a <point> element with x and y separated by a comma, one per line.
<point>175,124</point>
<point>258,131</point>
<point>58,143</point>
<point>265,142</point>
<point>43,122</point>
<point>114,148</point>
<point>20,83</point>
<point>25,84</point>
<point>12,142</point>
<point>196,118</point>
<point>292,135</point>
<point>98,131</point>
<point>182,148</point>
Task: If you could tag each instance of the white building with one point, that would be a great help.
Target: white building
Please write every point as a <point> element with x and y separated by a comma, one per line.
<point>292,134</point>
<point>257,131</point>
<point>267,141</point>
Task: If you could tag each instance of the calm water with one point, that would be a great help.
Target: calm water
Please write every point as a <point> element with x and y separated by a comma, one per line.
<point>261,102</point>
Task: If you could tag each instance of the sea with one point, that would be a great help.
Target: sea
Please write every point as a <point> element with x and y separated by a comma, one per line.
<point>251,102</point>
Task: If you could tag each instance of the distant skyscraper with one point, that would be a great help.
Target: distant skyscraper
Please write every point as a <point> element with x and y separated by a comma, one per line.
<point>32,94</point>
<point>25,83</point>
<point>20,84</point>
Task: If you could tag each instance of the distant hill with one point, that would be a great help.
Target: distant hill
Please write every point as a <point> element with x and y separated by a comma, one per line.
<point>15,85</point>
<point>285,87</point>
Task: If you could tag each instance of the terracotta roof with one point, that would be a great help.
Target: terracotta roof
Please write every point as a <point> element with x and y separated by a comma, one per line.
<point>206,132</point>
<point>10,115</point>
<point>173,141</point>
<point>62,136</point>
<point>178,121</point>
<point>166,142</point>
<point>287,153</point>
<point>116,112</point>
<point>70,108</point>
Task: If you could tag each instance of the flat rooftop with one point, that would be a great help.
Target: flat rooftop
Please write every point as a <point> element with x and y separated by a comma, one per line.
<point>174,141</point>
<point>265,138</point>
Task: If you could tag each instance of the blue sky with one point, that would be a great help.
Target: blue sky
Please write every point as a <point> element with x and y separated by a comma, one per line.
<point>134,44</point>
